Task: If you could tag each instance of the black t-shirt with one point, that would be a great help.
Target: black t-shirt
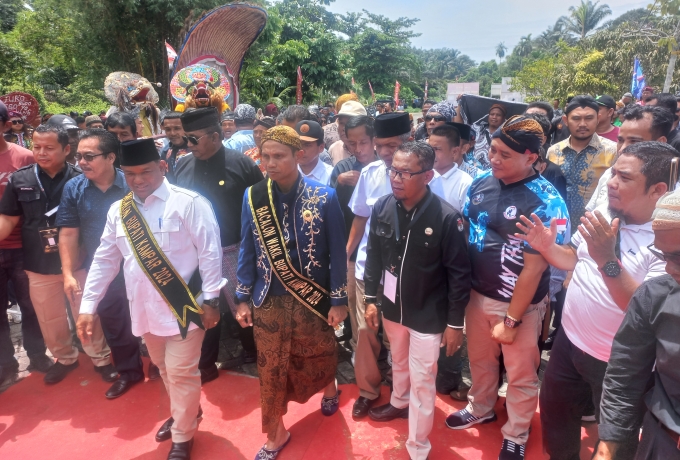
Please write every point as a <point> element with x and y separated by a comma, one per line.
<point>493,209</point>
<point>24,197</point>
<point>345,193</point>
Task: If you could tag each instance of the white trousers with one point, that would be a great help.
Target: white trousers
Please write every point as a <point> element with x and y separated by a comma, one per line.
<point>414,368</point>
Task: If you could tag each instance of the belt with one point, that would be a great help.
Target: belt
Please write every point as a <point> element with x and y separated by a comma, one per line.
<point>674,436</point>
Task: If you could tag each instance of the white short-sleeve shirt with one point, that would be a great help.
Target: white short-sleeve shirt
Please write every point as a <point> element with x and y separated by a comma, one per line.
<point>455,183</point>
<point>591,318</point>
<point>321,173</point>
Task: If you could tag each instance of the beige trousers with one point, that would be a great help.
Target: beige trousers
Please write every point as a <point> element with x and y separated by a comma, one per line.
<point>47,295</point>
<point>522,359</point>
<point>367,351</point>
<point>177,359</point>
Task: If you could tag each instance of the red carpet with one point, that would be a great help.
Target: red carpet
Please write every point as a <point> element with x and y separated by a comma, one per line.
<point>73,421</point>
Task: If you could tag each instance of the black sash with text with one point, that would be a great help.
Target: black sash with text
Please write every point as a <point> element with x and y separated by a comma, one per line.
<point>158,268</point>
<point>310,294</point>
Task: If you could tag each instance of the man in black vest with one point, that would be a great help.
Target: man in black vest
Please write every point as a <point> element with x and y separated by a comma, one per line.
<point>417,245</point>
<point>222,176</point>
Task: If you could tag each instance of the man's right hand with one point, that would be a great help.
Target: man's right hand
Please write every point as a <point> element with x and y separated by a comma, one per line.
<point>606,450</point>
<point>243,315</point>
<point>349,178</point>
<point>84,327</point>
<point>371,316</point>
<point>539,237</point>
<point>72,289</point>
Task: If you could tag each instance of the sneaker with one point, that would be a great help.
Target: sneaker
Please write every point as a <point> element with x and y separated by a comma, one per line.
<point>40,363</point>
<point>463,419</point>
<point>58,372</point>
<point>14,314</point>
<point>511,451</point>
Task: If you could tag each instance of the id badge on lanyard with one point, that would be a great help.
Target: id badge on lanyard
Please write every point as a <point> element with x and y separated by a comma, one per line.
<point>49,235</point>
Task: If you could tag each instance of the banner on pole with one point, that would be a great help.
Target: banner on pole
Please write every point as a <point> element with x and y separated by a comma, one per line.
<point>425,96</point>
<point>172,54</point>
<point>371,88</point>
<point>397,87</point>
<point>639,80</point>
<point>298,94</point>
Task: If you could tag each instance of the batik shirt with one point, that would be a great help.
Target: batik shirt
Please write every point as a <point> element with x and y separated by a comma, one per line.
<point>482,144</point>
<point>493,208</point>
<point>582,170</point>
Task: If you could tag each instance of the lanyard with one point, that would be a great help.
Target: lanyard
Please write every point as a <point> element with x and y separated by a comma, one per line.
<point>54,190</point>
<point>419,212</point>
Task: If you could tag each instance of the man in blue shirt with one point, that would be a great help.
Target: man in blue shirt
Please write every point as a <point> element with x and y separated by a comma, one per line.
<point>244,119</point>
<point>509,282</point>
<point>84,205</point>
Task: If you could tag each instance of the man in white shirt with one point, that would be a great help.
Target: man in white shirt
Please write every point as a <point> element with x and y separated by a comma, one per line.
<point>391,130</point>
<point>610,258</point>
<point>161,218</point>
<point>311,140</point>
<point>445,141</point>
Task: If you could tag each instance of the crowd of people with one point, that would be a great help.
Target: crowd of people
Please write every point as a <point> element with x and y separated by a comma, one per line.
<point>556,229</point>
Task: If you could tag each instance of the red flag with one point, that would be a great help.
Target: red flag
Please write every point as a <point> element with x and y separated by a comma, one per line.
<point>298,95</point>
<point>425,97</point>
<point>172,54</point>
<point>397,87</point>
<point>371,87</point>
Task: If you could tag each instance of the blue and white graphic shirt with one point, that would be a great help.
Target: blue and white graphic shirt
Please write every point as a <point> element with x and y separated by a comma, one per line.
<point>493,208</point>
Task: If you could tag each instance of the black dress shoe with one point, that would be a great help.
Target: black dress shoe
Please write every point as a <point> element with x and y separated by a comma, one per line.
<point>119,388</point>
<point>209,374</point>
<point>154,371</point>
<point>8,372</point>
<point>58,371</point>
<point>387,412</point>
<point>164,432</point>
<point>361,407</point>
<point>40,363</point>
<point>181,450</point>
<point>108,372</point>
<point>249,357</point>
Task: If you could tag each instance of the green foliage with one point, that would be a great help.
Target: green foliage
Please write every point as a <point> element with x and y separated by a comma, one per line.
<point>584,18</point>
<point>9,9</point>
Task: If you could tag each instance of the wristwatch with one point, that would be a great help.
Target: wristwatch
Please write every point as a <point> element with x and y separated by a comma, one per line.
<point>511,322</point>
<point>612,268</point>
<point>214,303</point>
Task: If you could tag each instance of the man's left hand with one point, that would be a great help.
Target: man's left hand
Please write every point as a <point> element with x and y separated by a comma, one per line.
<point>337,315</point>
<point>452,339</point>
<point>502,334</point>
<point>599,236</point>
<point>210,316</point>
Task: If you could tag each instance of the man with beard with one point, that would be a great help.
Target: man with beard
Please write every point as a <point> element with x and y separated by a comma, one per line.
<point>610,258</point>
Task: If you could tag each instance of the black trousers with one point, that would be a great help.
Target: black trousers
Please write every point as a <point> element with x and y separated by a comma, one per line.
<point>449,371</point>
<point>655,443</point>
<point>211,342</point>
<point>571,379</point>
<point>12,269</point>
<point>114,313</point>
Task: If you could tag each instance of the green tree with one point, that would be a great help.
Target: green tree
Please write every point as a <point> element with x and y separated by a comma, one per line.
<point>584,18</point>
<point>9,9</point>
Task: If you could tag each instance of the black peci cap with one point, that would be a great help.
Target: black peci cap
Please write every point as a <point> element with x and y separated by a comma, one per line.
<point>463,129</point>
<point>392,125</point>
<point>203,118</point>
<point>138,152</point>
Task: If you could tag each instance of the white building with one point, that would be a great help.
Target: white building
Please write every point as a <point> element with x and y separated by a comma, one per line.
<point>502,91</point>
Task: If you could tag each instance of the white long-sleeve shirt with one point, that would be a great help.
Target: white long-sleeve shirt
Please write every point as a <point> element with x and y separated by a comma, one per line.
<point>184,225</point>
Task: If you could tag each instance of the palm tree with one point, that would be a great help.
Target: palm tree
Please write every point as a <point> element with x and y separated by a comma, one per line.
<point>523,48</point>
<point>500,51</point>
<point>584,18</point>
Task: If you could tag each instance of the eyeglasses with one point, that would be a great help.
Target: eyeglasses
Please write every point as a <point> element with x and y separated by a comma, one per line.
<point>673,258</point>
<point>404,175</point>
<point>87,157</point>
<point>17,122</point>
<point>193,139</point>
<point>435,118</point>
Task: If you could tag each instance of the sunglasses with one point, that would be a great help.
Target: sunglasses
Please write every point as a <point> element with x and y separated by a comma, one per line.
<point>87,157</point>
<point>193,139</point>
<point>404,175</point>
<point>17,122</point>
<point>673,258</point>
<point>435,118</point>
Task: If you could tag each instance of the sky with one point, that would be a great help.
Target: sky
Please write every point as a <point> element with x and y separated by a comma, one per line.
<point>475,27</point>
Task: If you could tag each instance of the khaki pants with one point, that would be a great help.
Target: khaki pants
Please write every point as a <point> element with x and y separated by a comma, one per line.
<point>522,359</point>
<point>367,351</point>
<point>47,295</point>
<point>177,359</point>
<point>414,367</point>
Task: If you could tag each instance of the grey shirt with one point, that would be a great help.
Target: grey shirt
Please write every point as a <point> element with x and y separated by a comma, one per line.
<point>649,335</point>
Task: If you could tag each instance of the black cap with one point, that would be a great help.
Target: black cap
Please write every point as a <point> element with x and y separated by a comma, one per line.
<point>463,129</point>
<point>392,125</point>
<point>606,101</point>
<point>64,121</point>
<point>203,118</point>
<point>309,131</point>
<point>138,152</point>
